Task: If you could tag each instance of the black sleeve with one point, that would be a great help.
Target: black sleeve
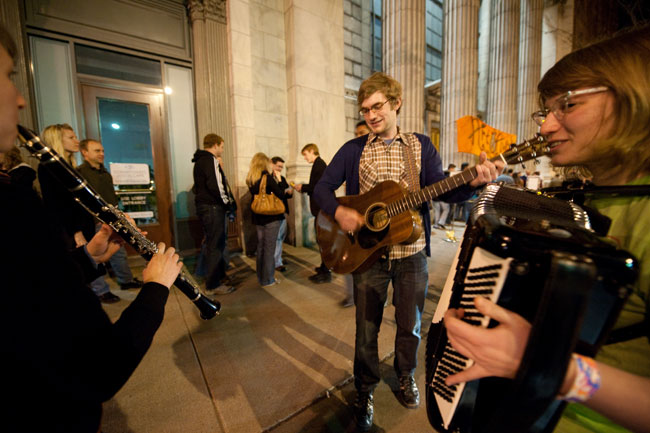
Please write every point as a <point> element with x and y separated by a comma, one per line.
<point>23,175</point>
<point>66,346</point>
<point>62,207</point>
<point>88,269</point>
<point>273,187</point>
<point>284,185</point>
<point>316,173</point>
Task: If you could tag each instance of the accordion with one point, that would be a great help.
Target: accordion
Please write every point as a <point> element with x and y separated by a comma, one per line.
<point>536,256</point>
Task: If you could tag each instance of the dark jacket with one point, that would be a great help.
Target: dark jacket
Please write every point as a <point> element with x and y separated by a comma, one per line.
<point>271,187</point>
<point>317,171</point>
<point>63,209</point>
<point>57,339</point>
<point>344,167</point>
<point>101,181</point>
<point>206,186</point>
<point>283,184</point>
<point>23,174</point>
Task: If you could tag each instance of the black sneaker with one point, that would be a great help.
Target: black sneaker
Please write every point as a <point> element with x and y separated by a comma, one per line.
<point>408,392</point>
<point>109,298</point>
<point>321,278</point>
<point>135,284</point>
<point>363,410</point>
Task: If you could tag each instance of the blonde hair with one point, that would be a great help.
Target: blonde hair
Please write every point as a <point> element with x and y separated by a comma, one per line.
<point>259,164</point>
<point>620,63</point>
<point>380,82</point>
<point>53,137</point>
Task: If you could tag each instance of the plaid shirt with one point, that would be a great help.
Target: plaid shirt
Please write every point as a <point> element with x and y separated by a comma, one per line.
<point>380,162</point>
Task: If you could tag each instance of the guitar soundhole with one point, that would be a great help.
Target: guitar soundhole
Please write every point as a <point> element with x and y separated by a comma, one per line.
<point>377,218</point>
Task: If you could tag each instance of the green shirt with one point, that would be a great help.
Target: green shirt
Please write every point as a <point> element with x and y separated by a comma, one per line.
<point>630,229</point>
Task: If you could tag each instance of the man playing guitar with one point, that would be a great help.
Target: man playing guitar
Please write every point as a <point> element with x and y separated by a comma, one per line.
<point>364,162</point>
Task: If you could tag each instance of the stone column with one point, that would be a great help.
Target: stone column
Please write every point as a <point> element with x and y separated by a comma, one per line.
<point>530,55</point>
<point>483,56</point>
<point>459,74</point>
<point>10,18</point>
<point>315,82</point>
<point>530,59</point>
<point>502,77</point>
<point>211,84</point>
<point>404,50</point>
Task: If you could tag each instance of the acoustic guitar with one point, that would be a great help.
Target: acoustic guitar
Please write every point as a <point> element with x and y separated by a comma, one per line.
<point>391,215</point>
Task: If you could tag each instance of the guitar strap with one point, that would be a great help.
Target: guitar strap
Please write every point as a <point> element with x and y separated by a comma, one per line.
<point>409,163</point>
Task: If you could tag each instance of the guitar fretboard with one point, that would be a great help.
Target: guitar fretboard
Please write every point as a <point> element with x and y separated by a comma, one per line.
<point>517,153</point>
<point>430,192</point>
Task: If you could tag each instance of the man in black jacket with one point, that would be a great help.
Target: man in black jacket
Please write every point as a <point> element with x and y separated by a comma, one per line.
<point>213,200</point>
<point>312,156</point>
<point>100,179</point>
<point>60,349</point>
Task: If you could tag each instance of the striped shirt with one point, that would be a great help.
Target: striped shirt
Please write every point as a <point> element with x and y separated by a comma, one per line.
<point>380,162</point>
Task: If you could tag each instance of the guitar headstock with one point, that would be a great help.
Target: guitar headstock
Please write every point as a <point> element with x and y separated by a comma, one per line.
<point>528,149</point>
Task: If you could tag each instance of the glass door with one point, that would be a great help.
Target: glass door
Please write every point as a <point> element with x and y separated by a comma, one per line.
<point>129,125</point>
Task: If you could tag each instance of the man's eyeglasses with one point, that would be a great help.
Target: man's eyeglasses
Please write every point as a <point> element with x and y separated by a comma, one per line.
<point>562,104</point>
<point>375,108</point>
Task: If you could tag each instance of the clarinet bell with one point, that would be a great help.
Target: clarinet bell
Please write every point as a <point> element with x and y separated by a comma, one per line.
<point>208,308</point>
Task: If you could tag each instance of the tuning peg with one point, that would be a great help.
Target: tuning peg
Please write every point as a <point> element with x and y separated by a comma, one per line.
<point>536,161</point>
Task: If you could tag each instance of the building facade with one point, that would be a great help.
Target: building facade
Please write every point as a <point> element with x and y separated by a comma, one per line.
<point>151,78</point>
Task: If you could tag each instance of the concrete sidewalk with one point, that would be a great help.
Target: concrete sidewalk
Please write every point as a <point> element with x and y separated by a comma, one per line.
<point>277,359</point>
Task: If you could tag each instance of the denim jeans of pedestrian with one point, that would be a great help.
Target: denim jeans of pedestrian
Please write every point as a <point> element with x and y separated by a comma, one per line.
<point>278,246</point>
<point>213,221</point>
<point>410,281</point>
<point>441,212</point>
<point>200,270</point>
<point>267,236</point>
<point>120,265</point>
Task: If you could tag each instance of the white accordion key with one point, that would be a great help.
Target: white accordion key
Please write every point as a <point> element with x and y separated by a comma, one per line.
<point>485,277</point>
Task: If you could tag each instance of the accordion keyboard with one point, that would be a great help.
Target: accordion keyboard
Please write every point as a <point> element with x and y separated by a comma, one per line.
<point>485,277</point>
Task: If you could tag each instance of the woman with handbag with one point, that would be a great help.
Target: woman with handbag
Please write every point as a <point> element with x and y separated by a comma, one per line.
<point>267,214</point>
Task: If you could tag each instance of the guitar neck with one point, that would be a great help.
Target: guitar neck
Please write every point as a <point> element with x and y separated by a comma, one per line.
<point>517,153</point>
<point>415,199</point>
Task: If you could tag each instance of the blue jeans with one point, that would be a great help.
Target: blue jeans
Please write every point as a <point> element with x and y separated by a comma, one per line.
<point>120,267</point>
<point>410,282</point>
<point>278,245</point>
<point>213,220</point>
<point>267,236</point>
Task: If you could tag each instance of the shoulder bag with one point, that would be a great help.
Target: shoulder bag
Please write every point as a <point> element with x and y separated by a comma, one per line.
<point>266,204</point>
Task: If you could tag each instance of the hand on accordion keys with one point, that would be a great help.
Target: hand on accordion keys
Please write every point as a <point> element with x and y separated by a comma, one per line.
<point>496,351</point>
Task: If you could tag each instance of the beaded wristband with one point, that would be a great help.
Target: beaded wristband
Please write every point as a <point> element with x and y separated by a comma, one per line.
<point>587,380</point>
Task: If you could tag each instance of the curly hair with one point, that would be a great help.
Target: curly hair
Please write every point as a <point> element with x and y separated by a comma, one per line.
<point>12,158</point>
<point>380,82</point>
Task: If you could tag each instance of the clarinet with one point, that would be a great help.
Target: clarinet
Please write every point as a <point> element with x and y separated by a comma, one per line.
<point>87,197</point>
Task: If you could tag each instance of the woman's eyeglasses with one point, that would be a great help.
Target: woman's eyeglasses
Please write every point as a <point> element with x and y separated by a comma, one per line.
<point>561,104</point>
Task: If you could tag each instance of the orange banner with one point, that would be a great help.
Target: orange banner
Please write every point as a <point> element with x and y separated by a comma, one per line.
<point>475,136</point>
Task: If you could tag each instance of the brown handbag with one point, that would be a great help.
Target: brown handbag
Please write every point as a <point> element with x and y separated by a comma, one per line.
<point>266,204</point>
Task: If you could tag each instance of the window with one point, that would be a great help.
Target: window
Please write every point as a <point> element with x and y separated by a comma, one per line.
<point>434,17</point>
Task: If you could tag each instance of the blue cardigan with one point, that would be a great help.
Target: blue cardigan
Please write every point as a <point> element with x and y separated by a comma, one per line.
<point>345,168</point>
